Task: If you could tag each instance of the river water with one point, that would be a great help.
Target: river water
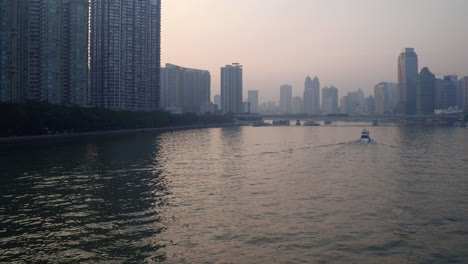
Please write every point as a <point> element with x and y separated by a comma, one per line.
<point>240,195</point>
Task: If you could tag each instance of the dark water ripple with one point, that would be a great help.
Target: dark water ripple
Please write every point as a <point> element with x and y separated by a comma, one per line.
<point>240,195</point>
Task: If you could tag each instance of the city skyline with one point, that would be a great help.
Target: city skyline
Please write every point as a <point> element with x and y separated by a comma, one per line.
<point>241,31</point>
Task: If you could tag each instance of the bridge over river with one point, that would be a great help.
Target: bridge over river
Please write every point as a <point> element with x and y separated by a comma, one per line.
<point>304,117</point>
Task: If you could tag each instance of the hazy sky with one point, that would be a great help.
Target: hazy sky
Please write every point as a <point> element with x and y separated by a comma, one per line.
<point>350,44</point>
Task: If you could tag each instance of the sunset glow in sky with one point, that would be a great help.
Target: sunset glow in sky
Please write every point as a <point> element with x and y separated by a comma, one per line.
<point>350,44</point>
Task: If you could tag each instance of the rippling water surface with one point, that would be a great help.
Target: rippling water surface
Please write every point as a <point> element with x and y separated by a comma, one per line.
<point>240,195</point>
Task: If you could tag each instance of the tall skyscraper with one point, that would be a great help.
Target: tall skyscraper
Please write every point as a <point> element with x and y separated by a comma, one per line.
<point>361,97</point>
<point>231,88</point>
<point>297,105</point>
<point>385,96</point>
<point>448,92</point>
<point>42,56</point>
<point>312,96</point>
<point>184,88</point>
<point>407,80</point>
<point>286,99</point>
<point>46,51</point>
<point>425,92</point>
<point>437,93</point>
<point>369,106</point>
<point>460,95</point>
<point>125,54</point>
<point>330,100</point>
<point>464,85</point>
<point>74,53</point>
<point>350,104</point>
<point>343,105</point>
<point>11,63</point>
<point>253,99</point>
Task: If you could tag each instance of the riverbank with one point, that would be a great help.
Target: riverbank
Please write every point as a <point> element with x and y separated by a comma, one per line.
<point>57,138</point>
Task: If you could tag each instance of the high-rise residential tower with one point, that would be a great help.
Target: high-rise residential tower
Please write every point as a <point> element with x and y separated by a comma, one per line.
<point>252,97</point>
<point>74,53</point>
<point>312,96</point>
<point>11,61</point>
<point>330,100</point>
<point>125,54</point>
<point>46,51</point>
<point>43,50</point>
<point>185,88</point>
<point>425,92</point>
<point>231,88</point>
<point>286,99</point>
<point>407,80</point>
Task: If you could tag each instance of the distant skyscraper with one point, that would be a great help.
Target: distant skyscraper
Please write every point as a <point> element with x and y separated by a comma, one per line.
<point>437,93</point>
<point>425,93</point>
<point>330,100</point>
<point>385,96</point>
<point>448,92</point>
<point>183,87</point>
<point>369,105</point>
<point>297,105</point>
<point>246,107</point>
<point>231,88</point>
<point>312,96</point>
<point>286,99</point>
<point>253,99</point>
<point>44,48</point>
<point>460,95</point>
<point>407,80</point>
<point>269,107</point>
<point>464,85</point>
<point>361,97</point>
<point>351,104</point>
<point>125,54</point>
<point>217,101</point>
<point>343,105</point>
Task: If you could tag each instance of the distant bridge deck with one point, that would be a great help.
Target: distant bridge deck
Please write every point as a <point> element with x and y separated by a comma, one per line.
<point>396,118</point>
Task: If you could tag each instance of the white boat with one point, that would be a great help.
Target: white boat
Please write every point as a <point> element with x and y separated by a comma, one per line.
<point>365,138</point>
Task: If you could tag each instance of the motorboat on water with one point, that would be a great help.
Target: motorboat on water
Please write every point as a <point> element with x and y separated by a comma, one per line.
<point>311,123</point>
<point>365,138</point>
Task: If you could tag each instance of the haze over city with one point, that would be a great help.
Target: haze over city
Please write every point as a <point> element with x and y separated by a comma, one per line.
<point>233,131</point>
<point>348,44</point>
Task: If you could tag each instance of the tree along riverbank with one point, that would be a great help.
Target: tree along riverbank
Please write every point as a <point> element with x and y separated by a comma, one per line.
<point>57,138</point>
<point>32,119</point>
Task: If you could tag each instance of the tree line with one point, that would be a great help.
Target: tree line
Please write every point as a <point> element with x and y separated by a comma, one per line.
<point>41,118</point>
